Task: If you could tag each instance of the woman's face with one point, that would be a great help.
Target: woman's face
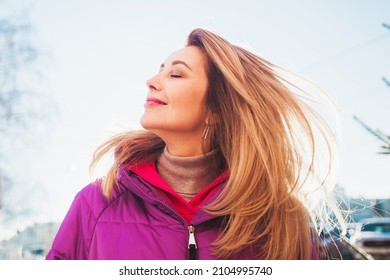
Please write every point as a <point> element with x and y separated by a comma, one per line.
<point>175,101</point>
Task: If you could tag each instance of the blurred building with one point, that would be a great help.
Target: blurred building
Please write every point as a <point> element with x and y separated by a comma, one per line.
<point>368,208</point>
<point>33,243</point>
<point>356,209</point>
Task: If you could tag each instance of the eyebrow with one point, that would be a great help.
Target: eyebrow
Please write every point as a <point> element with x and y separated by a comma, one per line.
<point>175,62</point>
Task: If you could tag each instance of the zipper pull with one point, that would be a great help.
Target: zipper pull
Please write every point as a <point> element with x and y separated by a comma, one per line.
<point>192,248</point>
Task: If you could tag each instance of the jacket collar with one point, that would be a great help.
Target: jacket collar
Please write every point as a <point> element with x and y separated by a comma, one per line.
<point>145,188</point>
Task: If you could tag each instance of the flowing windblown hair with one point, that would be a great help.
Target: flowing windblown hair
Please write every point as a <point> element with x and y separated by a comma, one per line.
<point>270,140</point>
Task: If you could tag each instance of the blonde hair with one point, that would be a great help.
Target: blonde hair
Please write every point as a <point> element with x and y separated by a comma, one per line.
<point>265,136</point>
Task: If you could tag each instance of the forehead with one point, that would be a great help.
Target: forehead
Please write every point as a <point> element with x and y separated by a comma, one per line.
<point>191,55</point>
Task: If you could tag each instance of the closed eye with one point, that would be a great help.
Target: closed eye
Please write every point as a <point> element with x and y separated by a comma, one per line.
<point>176,76</point>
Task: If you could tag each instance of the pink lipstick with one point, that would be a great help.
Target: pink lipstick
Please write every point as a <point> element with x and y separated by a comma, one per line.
<point>151,101</point>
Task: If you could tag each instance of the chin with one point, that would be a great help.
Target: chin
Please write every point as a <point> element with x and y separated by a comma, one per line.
<point>149,124</point>
<point>145,122</point>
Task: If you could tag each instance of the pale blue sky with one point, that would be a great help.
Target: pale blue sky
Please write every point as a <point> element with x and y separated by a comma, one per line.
<point>98,55</point>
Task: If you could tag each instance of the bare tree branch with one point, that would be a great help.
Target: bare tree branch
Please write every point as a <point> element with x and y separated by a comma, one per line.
<point>22,105</point>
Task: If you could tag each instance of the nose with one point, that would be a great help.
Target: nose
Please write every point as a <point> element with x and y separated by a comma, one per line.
<point>153,83</point>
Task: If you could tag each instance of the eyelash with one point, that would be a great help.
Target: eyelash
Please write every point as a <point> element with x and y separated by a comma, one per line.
<point>176,76</point>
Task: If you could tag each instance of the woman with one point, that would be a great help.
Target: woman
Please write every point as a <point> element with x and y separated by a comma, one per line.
<point>218,173</point>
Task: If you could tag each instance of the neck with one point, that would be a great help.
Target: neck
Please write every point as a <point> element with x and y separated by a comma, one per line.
<point>184,145</point>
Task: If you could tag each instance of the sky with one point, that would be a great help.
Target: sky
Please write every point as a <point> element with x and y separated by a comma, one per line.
<point>96,56</point>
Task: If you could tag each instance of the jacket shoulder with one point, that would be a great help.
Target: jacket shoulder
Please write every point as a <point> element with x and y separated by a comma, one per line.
<point>93,196</point>
<point>73,239</point>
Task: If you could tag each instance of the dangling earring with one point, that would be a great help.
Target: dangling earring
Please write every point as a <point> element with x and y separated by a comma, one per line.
<point>206,130</point>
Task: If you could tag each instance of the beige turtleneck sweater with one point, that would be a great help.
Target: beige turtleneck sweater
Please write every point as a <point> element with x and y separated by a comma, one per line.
<point>187,175</point>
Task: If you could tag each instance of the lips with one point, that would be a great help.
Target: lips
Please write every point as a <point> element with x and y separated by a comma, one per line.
<point>154,101</point>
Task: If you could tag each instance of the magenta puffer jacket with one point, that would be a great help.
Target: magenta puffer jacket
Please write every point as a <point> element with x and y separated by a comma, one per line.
<point>137,223</point>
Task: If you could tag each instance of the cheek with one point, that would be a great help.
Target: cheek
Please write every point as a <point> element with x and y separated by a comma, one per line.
<point>190,105</point>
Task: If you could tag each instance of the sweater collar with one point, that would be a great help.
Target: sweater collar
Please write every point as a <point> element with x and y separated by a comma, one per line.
<point>187,175</point>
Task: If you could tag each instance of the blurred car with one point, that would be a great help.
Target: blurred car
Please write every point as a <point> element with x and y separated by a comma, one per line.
<point>350,229</point>
<point>332,246</point>
<point>372,235</point>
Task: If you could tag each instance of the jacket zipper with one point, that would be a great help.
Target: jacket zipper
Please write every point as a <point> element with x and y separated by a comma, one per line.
<point>192,248</point>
